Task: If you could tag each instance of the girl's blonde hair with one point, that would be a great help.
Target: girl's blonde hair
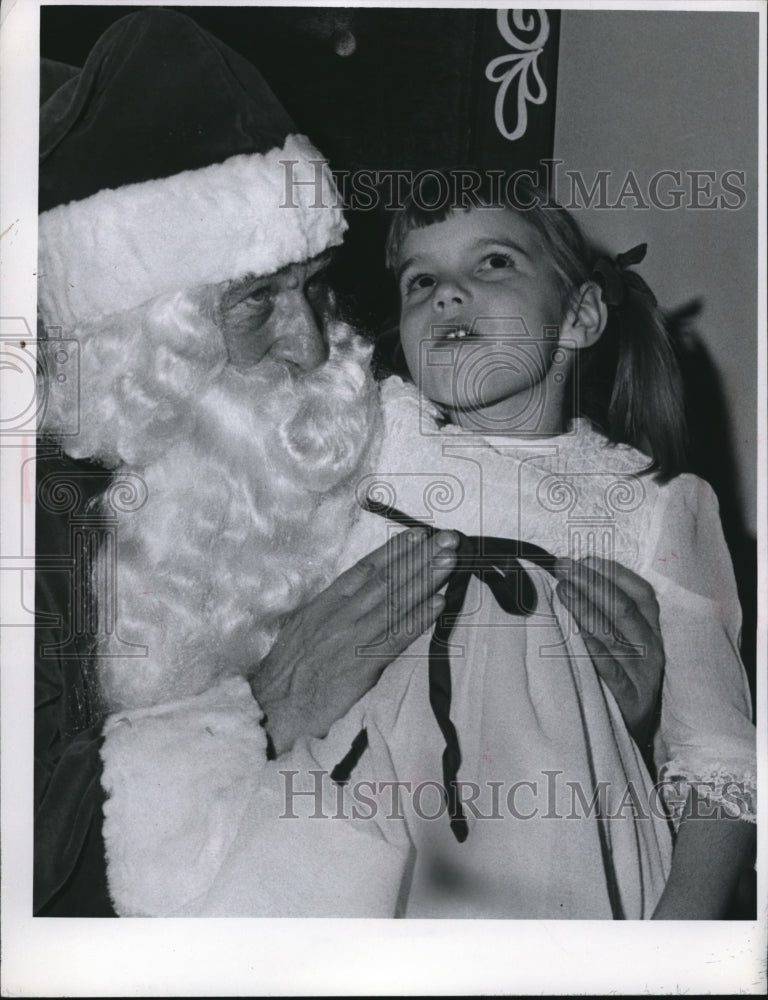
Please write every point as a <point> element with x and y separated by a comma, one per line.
<point>628,383</point>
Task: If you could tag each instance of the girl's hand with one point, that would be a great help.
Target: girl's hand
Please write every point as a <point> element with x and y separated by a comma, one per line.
<point>333,650</point>
<point>711,852</point>
<point>618,615</point>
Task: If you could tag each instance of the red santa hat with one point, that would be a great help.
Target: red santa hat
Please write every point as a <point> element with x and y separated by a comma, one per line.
<point>166,163</point>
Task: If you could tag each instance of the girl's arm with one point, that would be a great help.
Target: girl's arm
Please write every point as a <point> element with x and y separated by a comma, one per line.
<point>706,741</point>
<point>710,855</point>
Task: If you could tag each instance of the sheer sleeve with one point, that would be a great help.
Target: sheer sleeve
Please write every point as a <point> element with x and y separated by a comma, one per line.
<point>706,737</point>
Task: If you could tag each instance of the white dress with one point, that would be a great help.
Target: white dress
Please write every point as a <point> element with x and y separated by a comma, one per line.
<point>563,818</point>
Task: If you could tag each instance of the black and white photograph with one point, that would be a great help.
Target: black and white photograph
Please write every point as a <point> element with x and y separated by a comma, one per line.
<point>383,446</point>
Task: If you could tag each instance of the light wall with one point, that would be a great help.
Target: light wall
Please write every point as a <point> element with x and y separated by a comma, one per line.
<point>650,91</point>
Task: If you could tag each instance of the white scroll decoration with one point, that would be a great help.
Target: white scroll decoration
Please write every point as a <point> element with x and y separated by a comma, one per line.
<point>520,67</point>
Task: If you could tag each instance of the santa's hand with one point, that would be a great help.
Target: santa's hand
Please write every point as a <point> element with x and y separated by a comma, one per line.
<point>618,616</point>
<point>332,651</point>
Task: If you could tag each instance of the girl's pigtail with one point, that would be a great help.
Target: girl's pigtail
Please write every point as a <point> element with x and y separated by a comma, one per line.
<point>636,359</point>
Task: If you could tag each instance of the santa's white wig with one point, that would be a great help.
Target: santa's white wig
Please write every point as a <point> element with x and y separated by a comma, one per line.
<point>249,482</point>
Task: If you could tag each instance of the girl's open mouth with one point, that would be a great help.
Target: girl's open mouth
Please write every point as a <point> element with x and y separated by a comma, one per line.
<point>452,333</point>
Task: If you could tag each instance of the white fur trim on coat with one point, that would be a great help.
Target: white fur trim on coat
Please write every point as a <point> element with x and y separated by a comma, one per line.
<point>250,214</point>
<point>197,823</point>
<point>178,777</point>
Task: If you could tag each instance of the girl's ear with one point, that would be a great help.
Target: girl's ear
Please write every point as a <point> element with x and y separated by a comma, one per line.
<point>586,317</point>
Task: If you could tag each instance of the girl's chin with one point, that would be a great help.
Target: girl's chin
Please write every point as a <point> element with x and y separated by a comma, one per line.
<point>506,407</point>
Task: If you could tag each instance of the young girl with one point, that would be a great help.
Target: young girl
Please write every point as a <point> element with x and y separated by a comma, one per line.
<point>490,773</point>
<point>548,411</point>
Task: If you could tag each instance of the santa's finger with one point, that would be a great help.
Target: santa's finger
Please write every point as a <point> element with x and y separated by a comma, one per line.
<point>629,584</point>
<point>609,668</point>
<point>397,579</point>
<point>389,640</point>
<point>623,631</point>
<point>410,574</point>
<point>376,565</point>
<point>421,571</point>
<point>593,589</point>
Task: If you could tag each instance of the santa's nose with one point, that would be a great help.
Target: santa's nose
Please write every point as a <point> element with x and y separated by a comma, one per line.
<point>301,342</point>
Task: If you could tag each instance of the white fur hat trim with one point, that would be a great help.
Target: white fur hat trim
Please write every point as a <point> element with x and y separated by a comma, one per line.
<point>250,214</point>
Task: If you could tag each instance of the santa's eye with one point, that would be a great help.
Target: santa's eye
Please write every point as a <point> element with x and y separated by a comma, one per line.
<point>247,295</point>
<point>259,296</point>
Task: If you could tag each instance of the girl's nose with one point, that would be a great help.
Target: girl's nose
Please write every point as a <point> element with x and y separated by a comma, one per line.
<point>448,297</point>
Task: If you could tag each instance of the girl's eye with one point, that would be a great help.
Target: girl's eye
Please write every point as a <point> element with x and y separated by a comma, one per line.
<point>419,281</point>
<point>497,261</point>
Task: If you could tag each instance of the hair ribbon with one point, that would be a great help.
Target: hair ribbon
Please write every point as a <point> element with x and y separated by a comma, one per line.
<point>614,277</point>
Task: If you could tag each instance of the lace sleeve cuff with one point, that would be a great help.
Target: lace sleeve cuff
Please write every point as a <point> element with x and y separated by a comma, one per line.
<point>722,790</point>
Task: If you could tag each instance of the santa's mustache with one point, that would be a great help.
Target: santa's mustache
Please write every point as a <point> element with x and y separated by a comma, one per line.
<point>318,423</point>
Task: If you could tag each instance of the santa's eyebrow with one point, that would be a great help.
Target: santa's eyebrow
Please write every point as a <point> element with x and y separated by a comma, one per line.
<point>317,263</point>
<point>246,282</point>
<point>258,279</point>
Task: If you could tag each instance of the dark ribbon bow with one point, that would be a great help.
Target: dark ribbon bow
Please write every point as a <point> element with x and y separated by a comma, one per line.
<point>614,278</point>
<point>496,562</point>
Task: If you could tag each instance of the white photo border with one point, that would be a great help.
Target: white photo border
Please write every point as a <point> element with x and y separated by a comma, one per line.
<point>137,957</point>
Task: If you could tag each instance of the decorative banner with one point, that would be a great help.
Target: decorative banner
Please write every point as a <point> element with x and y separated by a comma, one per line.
<point>516,72</point>
<point>519,68</point>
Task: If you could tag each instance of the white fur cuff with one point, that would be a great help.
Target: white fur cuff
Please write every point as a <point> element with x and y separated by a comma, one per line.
<point>250,214</point>
<point>178,778</point>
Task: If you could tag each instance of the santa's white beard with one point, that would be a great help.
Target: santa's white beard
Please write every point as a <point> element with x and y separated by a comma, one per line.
<point>245,518</point>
